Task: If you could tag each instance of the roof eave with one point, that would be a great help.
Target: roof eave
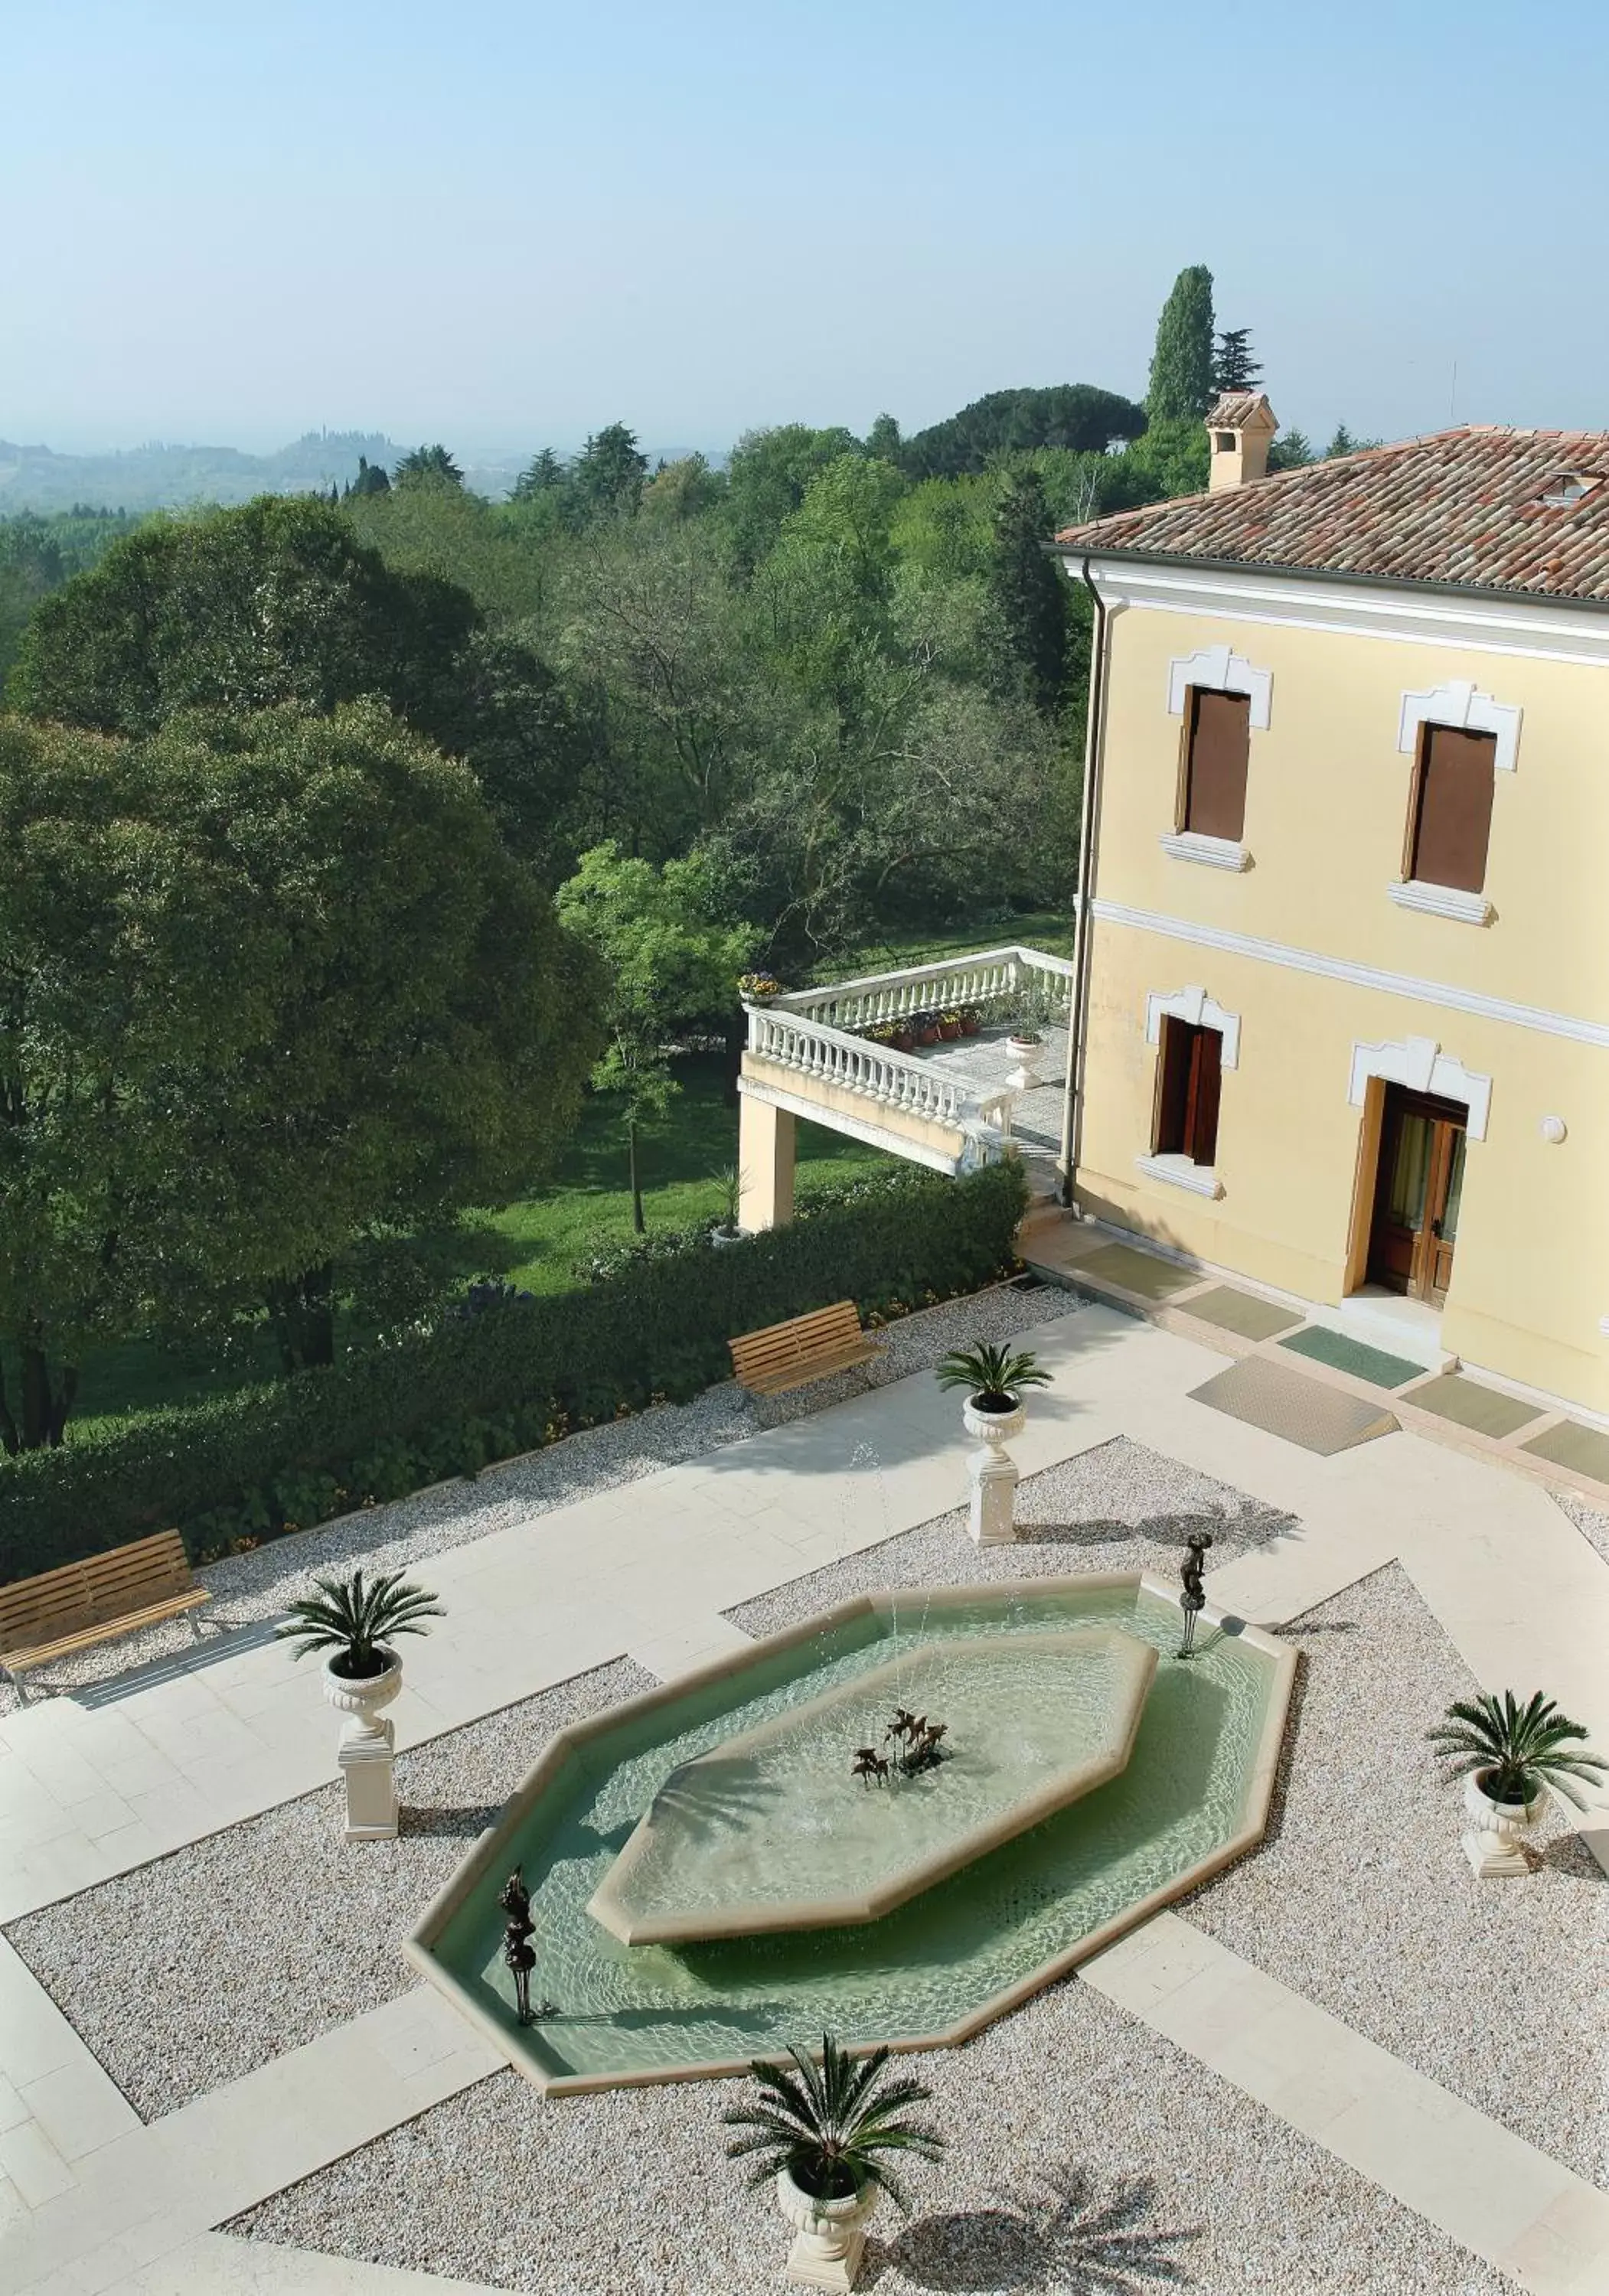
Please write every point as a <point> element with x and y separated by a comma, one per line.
<point>1508,593</point>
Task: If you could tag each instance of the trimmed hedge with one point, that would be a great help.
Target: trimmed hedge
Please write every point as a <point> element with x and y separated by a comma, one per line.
<point>450,1398</point>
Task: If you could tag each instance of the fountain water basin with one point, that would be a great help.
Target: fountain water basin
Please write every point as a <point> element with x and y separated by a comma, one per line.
<point>939,1965</point>
<point>771,1830</point>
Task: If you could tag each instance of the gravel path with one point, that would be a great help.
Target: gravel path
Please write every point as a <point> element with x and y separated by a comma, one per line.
<point>1365,1904</point>
<point>1088,2155</point>
<point>1591,1521</point>
<point>248,1588</point>
<point>306,1926</point>
<point>1115,1507</point>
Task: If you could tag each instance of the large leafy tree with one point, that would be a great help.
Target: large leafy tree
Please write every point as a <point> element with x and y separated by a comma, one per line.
<point>267,984</point>
<point>671,955</point>
<point>1180,388</point>
<point>242,609</point>
<point>768,476</point>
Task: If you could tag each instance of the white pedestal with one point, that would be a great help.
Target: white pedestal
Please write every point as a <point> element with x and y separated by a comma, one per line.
<point>1489,1855</point>
<point>816,2263</point>
<point>991,1515</point>
<point>368,1762</point>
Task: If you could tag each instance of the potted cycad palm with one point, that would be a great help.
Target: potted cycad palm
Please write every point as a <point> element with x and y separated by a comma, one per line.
<point>358,1624</point>
<point>1509,1755</point>
<point>725,1230</point>
<point>823,2135</point>
<point>994,1378</point>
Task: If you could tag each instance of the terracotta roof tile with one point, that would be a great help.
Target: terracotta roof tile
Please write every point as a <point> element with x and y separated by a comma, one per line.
<point>1462,506</point>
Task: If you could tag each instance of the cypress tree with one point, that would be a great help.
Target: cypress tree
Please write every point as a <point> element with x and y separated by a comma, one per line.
<point>1028,591</point>
<point>1181,366</point>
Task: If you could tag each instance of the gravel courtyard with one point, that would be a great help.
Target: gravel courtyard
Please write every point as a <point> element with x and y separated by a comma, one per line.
<point>1133,2159</point>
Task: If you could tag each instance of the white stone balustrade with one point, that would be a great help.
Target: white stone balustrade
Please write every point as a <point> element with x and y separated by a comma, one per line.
<point>993,978</point>
<point>798,1041</point>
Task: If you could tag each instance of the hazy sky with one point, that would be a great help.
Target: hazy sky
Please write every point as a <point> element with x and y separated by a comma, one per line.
<point>507,223</point>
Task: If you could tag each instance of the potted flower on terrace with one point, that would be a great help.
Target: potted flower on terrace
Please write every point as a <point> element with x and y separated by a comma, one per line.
<point>994,1378</point>
<point>1509,1755</point>
<point>823,2135</point>
<point>758,988</point>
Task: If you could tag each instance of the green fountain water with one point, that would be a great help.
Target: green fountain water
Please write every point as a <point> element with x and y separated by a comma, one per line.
<point>960,1949</point>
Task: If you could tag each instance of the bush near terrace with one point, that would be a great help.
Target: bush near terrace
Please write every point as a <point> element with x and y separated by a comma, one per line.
<point>451,1398</point>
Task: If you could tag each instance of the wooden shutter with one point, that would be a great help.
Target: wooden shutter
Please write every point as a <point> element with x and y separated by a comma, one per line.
<point>1172,1086</point>
<point>1200,1110</point>
<point>1453,820</point>
<point>1215,786</point>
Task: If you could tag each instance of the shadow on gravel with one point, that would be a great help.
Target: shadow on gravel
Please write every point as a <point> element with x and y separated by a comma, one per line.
<point>1066,2235</point>
<point>1233,1531</point>
<point>456,1824</point>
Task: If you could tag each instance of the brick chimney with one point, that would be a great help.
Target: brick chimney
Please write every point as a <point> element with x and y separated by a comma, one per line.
<point>1240,427</point>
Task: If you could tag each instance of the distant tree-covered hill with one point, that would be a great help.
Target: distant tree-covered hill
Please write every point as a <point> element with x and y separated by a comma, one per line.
<point>161,477</point>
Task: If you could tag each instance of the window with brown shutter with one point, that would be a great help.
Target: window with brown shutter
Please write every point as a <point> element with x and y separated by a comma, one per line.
<point>1450,815</point>
<point>1189,1068</point>
<point>1218,745</point>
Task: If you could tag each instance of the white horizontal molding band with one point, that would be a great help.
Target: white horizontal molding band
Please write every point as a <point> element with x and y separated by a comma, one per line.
<point>1540,628</point>
<point>1361,976</point>
<point>874,1135</point>
<point>1441,900</point>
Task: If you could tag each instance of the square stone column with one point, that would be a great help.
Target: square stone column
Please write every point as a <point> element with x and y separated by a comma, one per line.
<point>764,1163</point>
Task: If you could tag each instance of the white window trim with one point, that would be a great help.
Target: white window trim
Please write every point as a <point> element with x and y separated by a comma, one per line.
<point>1218,670</point>
<point>1179,1172</point>
<point>1420,1064</point>
<point>1441,900</point>
<point>1458,703</point>
<point>1195,1005</point>
<point>1216,852</point>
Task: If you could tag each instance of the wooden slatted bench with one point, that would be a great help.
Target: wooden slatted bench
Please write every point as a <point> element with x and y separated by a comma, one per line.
<point>805,1348</point>
<point>93,1601</point>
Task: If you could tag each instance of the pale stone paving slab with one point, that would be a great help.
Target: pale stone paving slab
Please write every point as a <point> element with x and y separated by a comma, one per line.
<point>1513,2206</point>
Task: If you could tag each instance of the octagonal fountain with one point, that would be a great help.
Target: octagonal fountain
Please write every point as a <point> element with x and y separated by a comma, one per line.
<point>730,1863</point>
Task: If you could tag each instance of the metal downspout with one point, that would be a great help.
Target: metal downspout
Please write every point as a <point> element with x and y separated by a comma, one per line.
<point>1094,748</point>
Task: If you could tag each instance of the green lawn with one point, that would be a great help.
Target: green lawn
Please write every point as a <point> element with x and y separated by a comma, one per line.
<point>532,1243</point>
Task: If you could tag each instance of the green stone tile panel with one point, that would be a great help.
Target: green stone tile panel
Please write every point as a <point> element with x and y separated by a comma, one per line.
<point>1344,1354</point>
<point>1139,1272</point>
<point>1583,1450</point>
<point>1243,1313</point>
<point>1468,1404</point>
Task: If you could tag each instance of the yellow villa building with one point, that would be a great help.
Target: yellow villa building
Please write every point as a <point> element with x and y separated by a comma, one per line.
<point>1345,948</point>
<point>1339,1008</point>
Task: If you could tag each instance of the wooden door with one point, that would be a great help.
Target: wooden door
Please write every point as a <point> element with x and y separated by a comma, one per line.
<point>1417,1193</point>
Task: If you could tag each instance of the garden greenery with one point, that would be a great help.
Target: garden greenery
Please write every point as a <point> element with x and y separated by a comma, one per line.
<point>450,1398</point>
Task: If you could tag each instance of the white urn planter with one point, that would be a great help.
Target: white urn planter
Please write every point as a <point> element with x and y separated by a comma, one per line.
<point>991,1513</point>
<point>828,2235</point>
<point>367,1751</point>
<point>1495,1844</point>
<point>1025,1051</point>
<point>724,1238</point>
